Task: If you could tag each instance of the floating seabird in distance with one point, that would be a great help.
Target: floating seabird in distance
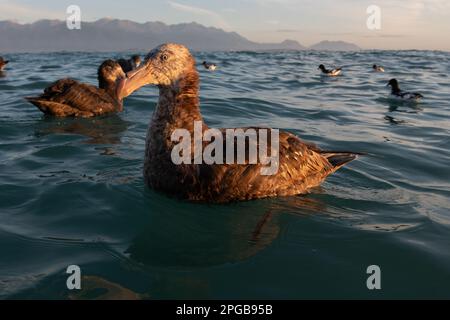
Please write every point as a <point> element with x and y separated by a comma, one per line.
<point>377,68</point>
<point>332,72</point>
<point>396,92</point>
<point>130,64</point>
<point>209,66</point>
<point>3,63</point>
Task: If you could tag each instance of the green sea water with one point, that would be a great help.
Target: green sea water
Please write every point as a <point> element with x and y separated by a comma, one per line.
<point>72,190</point>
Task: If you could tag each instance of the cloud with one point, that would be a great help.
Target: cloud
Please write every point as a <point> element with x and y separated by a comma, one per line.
<point>386,36</point>
<point>273,2</point>
<point>212,16</point>
<point>26,13</point>
<point>415,8</point>
<point>273,22</point>
<point>288,30</point>
<point>229,10</point>
<point>337,33</point>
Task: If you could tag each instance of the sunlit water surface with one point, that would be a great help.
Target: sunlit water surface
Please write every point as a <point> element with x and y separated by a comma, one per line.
<point>72,190</point>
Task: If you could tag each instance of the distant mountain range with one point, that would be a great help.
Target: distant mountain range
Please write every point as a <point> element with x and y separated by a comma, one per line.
<point>122,35</point>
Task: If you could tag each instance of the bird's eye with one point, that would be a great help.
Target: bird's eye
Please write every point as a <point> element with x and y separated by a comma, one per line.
<point>164,57</point>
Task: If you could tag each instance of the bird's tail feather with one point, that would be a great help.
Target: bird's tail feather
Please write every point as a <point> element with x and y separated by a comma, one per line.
<point>49,107</point>
<point>339,158</point>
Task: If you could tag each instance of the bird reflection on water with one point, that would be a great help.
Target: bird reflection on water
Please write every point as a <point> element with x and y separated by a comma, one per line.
<point>99,130</point>
<point>194,237</point>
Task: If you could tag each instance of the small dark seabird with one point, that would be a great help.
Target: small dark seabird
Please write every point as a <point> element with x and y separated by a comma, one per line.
<point>130,64</point>
<point>68,97</point>
<point>377,68</point>
<point>3,63</point>
<point>332,72</point>
<point>397,93</point>
<point>171,67</point>
<point>209,66</point>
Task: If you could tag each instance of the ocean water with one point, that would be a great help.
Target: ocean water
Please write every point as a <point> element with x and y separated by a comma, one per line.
<point>72,190</point>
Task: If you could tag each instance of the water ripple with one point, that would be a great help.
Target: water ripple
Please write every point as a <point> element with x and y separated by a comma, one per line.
<point>72,190</point>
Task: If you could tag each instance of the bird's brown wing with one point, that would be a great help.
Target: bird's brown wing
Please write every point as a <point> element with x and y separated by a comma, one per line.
<point>68,97</point>
<point>58,87</point>
<point>300,166</point>
<point>55,108</point>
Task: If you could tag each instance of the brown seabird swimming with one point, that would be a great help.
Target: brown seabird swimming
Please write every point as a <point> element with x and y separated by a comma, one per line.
<point>171,67</point>
<point>68,97</point>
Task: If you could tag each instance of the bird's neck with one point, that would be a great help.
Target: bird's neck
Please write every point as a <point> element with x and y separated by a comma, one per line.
<point>396,89</point>
<point>179,105</point>
<point>111,90</point>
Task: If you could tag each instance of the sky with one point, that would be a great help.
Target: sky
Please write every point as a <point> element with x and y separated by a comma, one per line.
<point>404,24</point>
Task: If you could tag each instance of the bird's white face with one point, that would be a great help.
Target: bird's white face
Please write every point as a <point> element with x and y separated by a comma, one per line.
<point>165,65</point>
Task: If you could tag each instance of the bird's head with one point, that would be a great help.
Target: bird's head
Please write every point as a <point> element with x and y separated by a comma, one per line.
<point>110,74</point>
<point>168,65</point>
<point>393,83</point>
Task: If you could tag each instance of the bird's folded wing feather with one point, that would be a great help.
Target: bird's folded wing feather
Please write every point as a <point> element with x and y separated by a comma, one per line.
<point>297,161</point>
<point>81,96</point>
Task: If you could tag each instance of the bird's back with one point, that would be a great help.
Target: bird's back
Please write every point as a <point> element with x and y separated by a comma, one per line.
<point>68,97</point>
<point>301,166</point>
